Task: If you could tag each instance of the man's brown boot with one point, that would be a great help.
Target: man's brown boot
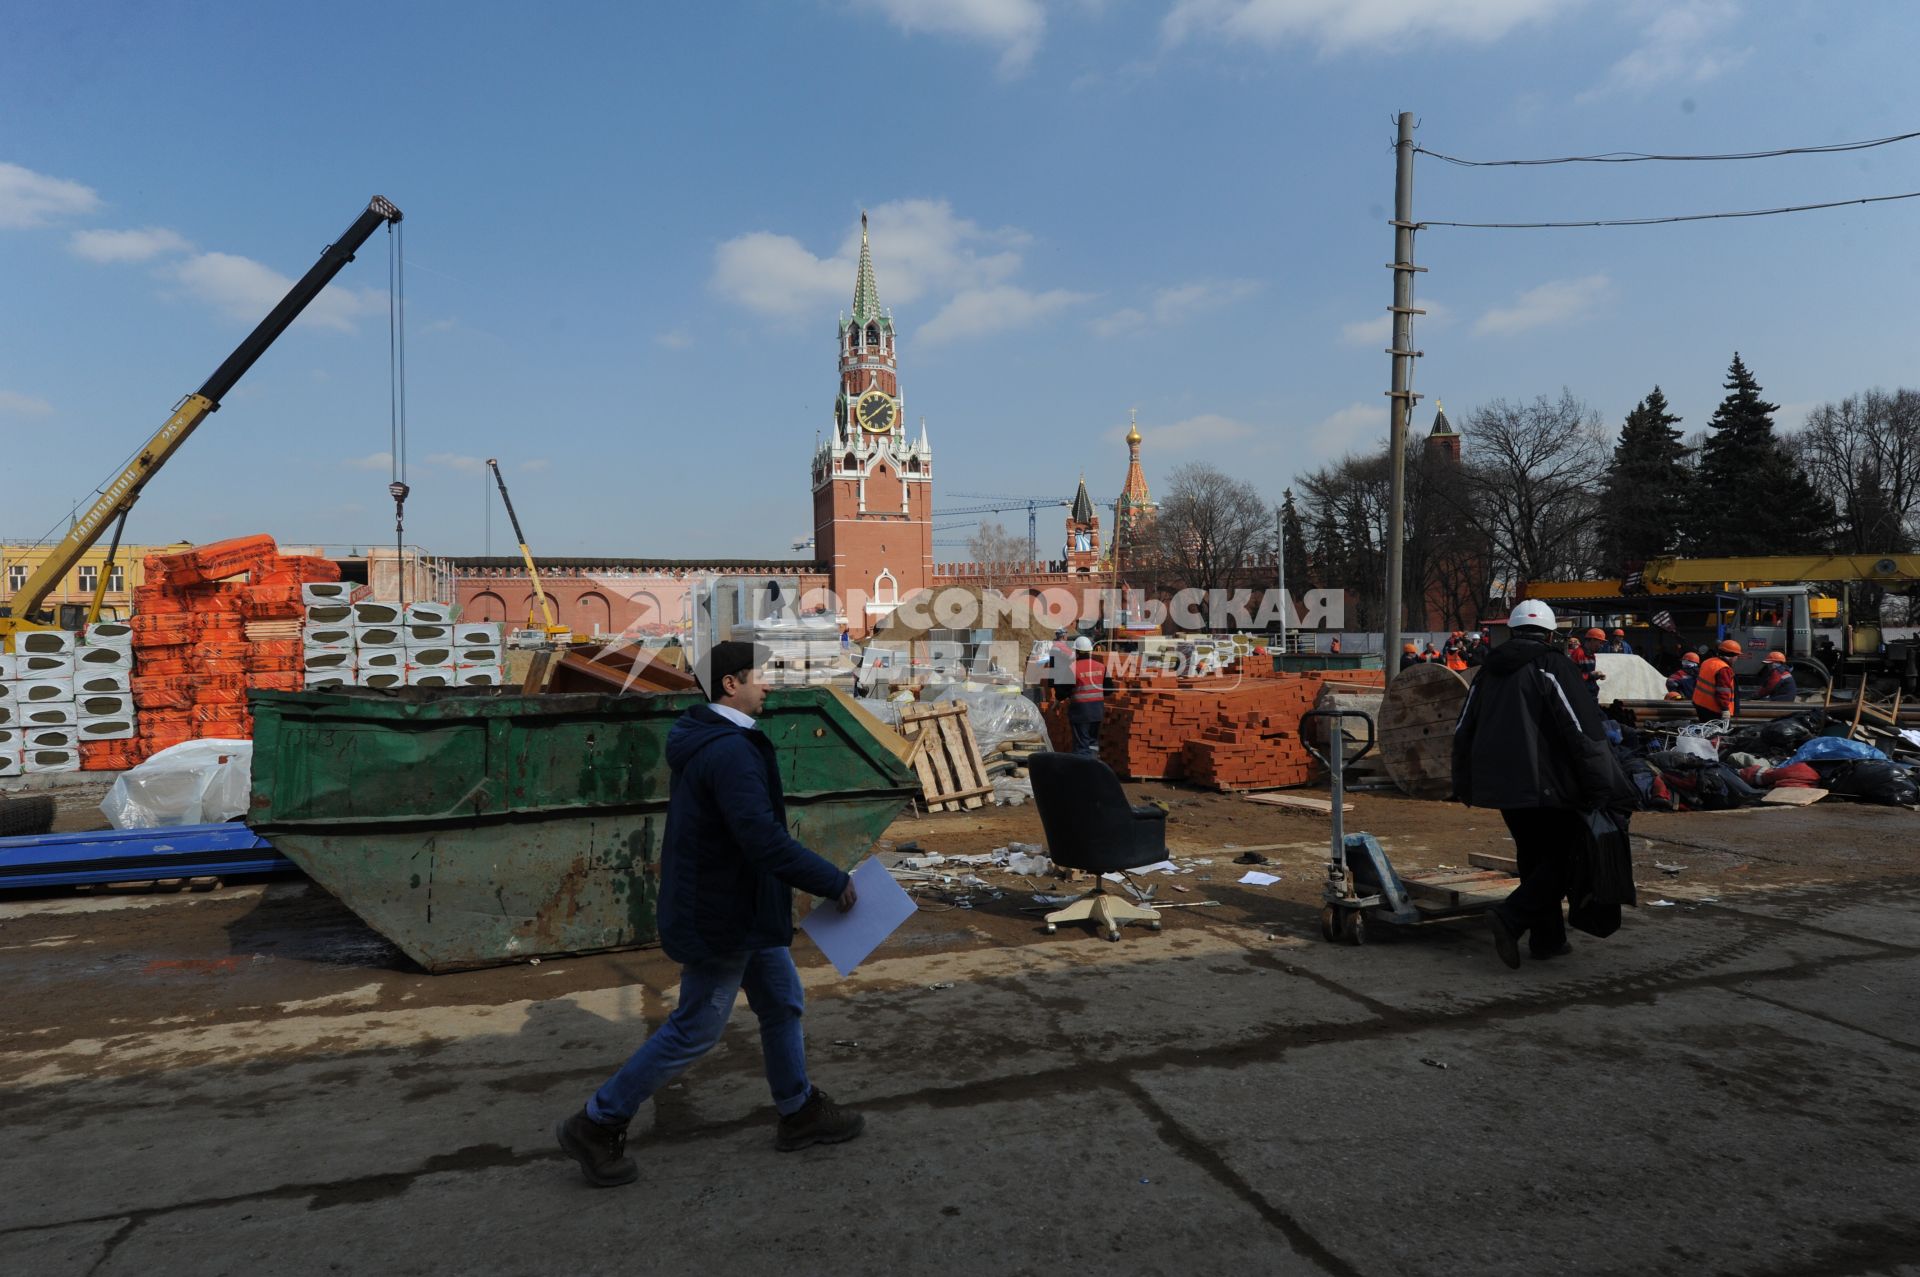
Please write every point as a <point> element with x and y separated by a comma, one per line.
<point>818,1121</point>
<point>600,1150</point>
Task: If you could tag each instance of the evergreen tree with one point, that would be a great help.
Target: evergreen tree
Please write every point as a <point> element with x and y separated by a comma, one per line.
<point>1293,544</point>
<point>1751,496</point>
<point>1648,489</point>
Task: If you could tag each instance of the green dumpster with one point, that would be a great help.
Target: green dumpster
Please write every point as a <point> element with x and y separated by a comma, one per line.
<point>477,826</point>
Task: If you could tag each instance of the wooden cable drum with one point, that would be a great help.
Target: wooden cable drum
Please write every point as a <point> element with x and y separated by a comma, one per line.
<point>1416,728</point>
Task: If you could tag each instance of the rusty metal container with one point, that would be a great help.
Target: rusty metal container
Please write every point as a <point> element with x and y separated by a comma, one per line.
<point>478,826</point>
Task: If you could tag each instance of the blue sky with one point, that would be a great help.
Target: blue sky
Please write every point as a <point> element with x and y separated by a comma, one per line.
<point>629,229</point>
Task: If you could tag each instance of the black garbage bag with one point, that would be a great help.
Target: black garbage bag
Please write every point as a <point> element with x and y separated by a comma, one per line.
<point>1785,735</point>
<point>1877,781</point>
<point>1602,877</point>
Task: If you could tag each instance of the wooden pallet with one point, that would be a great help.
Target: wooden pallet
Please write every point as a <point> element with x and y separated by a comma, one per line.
<point>945,757</point>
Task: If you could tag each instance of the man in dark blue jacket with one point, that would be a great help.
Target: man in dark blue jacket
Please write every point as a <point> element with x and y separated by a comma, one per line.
<point>728,870</point>
<point>1531,743</point>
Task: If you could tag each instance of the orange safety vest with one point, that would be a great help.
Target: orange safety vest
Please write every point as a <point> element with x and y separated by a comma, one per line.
<point>1089,682</point>
<point>1456,662</point>
<point>1714,692</point>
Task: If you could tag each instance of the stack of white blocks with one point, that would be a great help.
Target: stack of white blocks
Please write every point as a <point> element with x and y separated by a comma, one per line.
<point>374,644</point>
<point>55,693</point>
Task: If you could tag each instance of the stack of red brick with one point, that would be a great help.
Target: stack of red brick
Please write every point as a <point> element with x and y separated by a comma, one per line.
<point>1238,732</point>
<point>193,661</point>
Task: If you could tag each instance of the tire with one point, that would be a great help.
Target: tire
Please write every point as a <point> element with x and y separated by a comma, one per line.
<point>26,817</point>
<point>1329,923</point>
<point>1354,927</point>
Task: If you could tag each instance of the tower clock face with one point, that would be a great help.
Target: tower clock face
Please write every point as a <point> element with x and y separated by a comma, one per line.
<point>875,412</point>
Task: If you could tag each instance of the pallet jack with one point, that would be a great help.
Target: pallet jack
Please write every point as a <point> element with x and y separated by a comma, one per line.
<point>1362,883</point>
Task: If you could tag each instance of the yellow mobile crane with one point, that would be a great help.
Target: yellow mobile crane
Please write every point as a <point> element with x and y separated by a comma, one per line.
<point>550,632</point>
<point>117,498</point>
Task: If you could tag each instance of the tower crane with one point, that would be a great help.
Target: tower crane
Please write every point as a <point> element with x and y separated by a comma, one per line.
<point>551,632</point>
<point>1032,505</point>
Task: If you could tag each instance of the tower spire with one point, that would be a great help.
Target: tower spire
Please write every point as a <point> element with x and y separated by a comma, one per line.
<point>866,296</point>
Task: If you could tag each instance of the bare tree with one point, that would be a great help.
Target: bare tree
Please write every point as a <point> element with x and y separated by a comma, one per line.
<point>1864,453</point>
<point>1535,475</point>
<point>992,543</point>
<point>1209,522</point>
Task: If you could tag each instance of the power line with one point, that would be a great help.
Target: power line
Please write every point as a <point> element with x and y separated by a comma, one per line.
<point>1639,157</point>
<point>1682,217</point>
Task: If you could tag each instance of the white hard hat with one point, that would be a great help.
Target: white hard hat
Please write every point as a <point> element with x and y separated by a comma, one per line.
<point>1531,612</point>
<point>1083,644</point>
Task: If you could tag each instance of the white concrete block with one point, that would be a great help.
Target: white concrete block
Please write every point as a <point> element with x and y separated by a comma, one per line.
<point>37,761</point>
<point>325,680</point>
<point>103,658</point>
<point>324,592</point>
<point>379,636</point>
<point>380,658</point>
<point>107,728</point>
<point>329,614</point>
<point>36,691</point>
<point>429,614</point>
<point>478,634</point>
<point>9,669</point>
<point>430,678</point>
<point>479,675</point>
<point>44,664</point>
<point>380,678</point>
<point>10,764</point>
<point>419,634</point>
<point>110,634</point>
<point>477,655</point>
<point>45,714</point>
<point>101,705</point>
<point>51,738</point>
<point>372,613</point>
<point>339,661</point>
<point>429,658</point>
<point>86,681</point>
<point>45,642</point>
<point>327,638</point>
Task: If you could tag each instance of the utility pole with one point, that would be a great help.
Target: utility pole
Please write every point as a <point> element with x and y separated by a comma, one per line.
<point>1402,393</point>
<point>1280,556</point>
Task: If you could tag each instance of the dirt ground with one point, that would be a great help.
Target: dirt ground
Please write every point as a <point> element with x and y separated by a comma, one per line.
<point>250,1078</point>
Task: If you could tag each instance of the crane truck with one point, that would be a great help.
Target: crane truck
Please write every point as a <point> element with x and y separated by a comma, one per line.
<point>550,632</point>
<point>118,496</point>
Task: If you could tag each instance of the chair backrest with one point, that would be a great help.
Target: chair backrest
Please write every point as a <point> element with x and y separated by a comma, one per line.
<point>1088,821</point>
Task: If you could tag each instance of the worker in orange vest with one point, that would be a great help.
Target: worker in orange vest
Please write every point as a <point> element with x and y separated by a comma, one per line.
<point>1715,695</point>
<point>1454,652</point>
<point>1582,654</point>
<point>1334,647</point>
<point>1089,704</point>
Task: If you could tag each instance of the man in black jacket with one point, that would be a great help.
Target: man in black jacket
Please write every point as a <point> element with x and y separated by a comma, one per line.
<point>1531,742</point>
<point>728,870</point>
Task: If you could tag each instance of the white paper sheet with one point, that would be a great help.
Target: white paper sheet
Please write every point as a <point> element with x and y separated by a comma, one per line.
<point>1157,867</point>
<point>1255,878</point>
<point>849,938</point>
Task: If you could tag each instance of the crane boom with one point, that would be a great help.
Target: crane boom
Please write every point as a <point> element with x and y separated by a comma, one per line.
<point>119,495</point>
<point>1781,569</point>
<point>526,555</point>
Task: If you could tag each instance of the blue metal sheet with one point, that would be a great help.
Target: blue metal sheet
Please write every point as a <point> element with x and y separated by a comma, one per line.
<point>135,855</point>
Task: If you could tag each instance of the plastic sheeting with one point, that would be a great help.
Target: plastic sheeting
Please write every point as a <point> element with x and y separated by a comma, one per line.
<point>200,782</point>
<point>1833,749</point>
<point>996,715</point>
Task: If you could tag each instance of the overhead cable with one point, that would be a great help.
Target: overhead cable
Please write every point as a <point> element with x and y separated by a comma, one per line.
<point>1639,157</point>
<point>1682,217</point>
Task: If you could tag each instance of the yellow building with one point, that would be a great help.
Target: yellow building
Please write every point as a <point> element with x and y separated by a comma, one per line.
<point>19,562</point>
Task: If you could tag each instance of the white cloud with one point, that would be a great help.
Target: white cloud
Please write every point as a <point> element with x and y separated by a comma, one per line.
<point>923,249</point>
<point>1354,428</point>
<point>1015,27</point>
<point>1204,431</point>
<point>975,312</point>
<point>1378,331</point>
<point>1557,301</point>
<point>15,404</point>
<point>459,462</point>
<point>1339,26</point>
<point>1120,323</point>
<point>1176,305</point>
<point>244,289</point>
<point>126,246</point>
<point>676,339</point>
<point>372,461</point>
<point>535,464</point>
<point>29,199</point>
<point>1681,44</point>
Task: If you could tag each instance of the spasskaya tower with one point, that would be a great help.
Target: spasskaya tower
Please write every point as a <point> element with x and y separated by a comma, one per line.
<point>872,489</point>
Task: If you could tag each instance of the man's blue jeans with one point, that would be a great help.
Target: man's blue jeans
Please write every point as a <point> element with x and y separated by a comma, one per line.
<point>707,991</point>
